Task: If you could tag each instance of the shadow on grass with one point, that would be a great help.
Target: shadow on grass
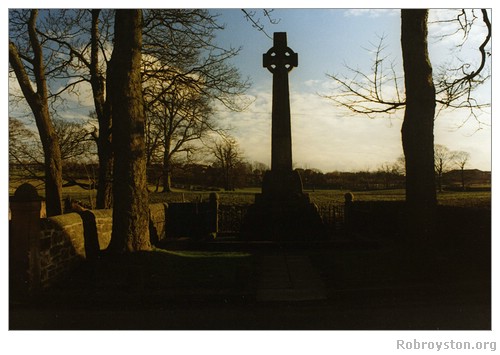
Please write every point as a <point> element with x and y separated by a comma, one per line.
<point>153,277</point>
<point>446,284</point>
<point>449,275</point>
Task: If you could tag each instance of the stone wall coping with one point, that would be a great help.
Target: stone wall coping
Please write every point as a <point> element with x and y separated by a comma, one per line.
<point>66,220</point>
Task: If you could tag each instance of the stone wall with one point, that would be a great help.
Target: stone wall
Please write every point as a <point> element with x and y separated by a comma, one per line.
<point>42,251</point>
<point>103,220</point>
<point>45,250</point>
<point>195,220</point>
<point>67,239</point>
<point>157,222</point>
<point>62,246</point>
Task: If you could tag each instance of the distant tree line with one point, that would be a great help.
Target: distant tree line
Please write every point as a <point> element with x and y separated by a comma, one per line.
<point>223,166</point>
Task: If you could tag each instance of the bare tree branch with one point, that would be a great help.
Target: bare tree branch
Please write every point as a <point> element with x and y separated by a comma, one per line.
<point>366,94</point>
<point>250,16</point>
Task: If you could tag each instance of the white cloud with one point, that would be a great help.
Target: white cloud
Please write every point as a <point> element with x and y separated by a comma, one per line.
<point>18,107</point>
<point>458,132</point>
<point>447,43</point>
<point>73,104</point>
<point>77,103</point>
<point>371,12</point>
<point>327,138</point>
<point>322,137</point>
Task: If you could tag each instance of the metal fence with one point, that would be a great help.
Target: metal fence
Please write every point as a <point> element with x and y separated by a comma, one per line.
<point>332,216</point>
<point>231,217</point>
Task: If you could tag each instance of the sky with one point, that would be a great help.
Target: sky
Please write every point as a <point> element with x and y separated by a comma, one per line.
<point>324,136</point>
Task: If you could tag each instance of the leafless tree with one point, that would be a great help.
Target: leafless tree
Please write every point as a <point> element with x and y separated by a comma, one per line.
<point>130,194</point>
<point>417,132</point>
<point>377,92</point>
<point>179,46</point>
<point>76,48</point>
<point>228,158</point>
<point>178,49</point>
<point>390,173</point>
<point>27,61</point>
<point>99,37</point>
<point>252,17</point>
<point>184,74</point>
<point>75,140</point>
<point>176,120</point>
<point>443,159</point>
<point>381,92</point>
<point>461,158</point>
<point>26,153</point>
<point>400,165</point>
<point>455,84</point>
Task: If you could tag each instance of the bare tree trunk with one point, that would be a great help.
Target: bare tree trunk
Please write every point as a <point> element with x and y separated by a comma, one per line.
<point>418,125</point>
<point>462,176</point>
<point>228,178</point>
<point>167,166</point>
<point>38,102</point>
<point>130,194</point>
<point>104,197</point>
<point>439,173</point>
<point>103,113</point>
<point>167,178</point>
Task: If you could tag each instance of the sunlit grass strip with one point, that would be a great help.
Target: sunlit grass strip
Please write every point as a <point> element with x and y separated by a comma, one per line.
<point>205,254</point>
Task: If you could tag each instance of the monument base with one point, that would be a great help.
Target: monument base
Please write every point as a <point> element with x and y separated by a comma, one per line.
<point>283,212</point>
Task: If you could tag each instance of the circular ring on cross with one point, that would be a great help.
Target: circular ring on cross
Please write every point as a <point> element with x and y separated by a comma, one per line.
<point>280,58</point>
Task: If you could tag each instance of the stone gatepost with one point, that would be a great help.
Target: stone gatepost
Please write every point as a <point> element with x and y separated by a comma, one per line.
<point>213,221</point>
<point>24,242</point>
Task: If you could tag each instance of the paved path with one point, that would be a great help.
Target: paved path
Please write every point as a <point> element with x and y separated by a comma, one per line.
<point>288,278</point>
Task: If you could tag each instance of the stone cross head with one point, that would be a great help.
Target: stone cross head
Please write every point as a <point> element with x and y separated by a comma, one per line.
<point>280,57</point>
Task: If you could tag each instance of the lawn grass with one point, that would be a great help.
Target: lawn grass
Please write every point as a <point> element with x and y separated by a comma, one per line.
<point>171,273</point>
<point>475,199</point>
<point>472,199</point>
<point>195,270</point>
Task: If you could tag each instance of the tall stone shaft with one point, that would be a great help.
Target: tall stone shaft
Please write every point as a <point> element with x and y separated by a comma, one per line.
<point>280,60</point>
<point>282,211</point>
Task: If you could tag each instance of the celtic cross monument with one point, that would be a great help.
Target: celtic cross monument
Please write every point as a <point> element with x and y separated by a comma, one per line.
<point>280,60</point>
<point>281,180</point>
<point>282,211</point>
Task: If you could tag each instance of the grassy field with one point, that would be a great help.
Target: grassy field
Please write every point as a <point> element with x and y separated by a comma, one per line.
<point>475,199</point>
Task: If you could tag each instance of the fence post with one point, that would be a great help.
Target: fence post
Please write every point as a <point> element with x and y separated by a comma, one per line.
<point>24,242</point>
<point>213,217</point>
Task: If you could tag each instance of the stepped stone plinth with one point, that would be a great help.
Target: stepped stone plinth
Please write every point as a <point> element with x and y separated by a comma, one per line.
<point>283,211</point>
